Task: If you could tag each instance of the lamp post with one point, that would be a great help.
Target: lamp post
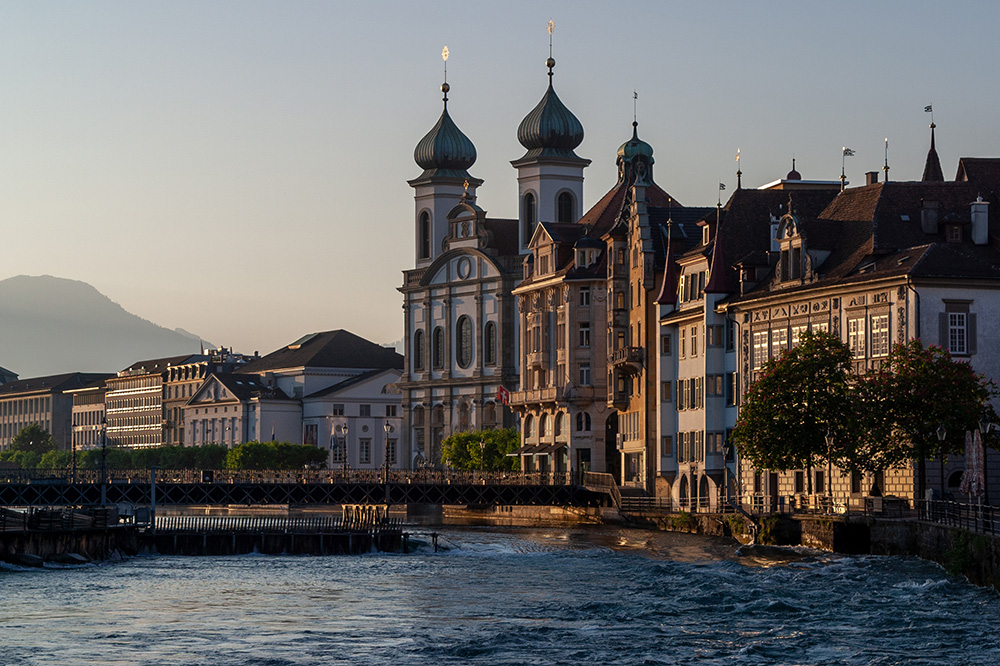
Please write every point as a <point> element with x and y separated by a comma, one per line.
<point>942,434</point>
<point>482,454</point>
<point>344,430</point>
<point>984,428</point>
<point>829,471</point>
<point>104,461</point>
<point>388,429</point>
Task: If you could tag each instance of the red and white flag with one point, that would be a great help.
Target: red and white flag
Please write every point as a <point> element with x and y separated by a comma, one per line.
<point>503,395</point>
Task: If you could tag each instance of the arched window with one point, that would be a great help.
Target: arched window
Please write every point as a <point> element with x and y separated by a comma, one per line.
<point>559,424</point>
<point>562,425</point>
<point>564,208</point>
<point>529,426</point>
<point>546,426</point>
<point>438,351</point>
<point>491,343</point>
<point>530,216</point>
<point>583,422</point>
<point>418,350</point>
<point>417,416</point>
<point>464,341</point>
<point>425,236</point>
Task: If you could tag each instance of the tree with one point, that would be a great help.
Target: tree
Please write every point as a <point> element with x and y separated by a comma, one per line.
<point>274,455</point>
<point>462,450</point>
<point>917,390</point>
<point>33,439</point>
<point>800,397</point>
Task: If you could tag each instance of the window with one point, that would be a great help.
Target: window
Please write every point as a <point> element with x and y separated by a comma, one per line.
<point>880,335</point>
<point>564,208</point>
<point>425,236</point>
<point>583,422</point>
<point>464,342</point>
<point>620,300</point>
<point>491,343</point>
<point>529,216</point>
<point>584,374</point>
<point>390,410</point>
<point>730,335</point>
<point>694,341</point>
<point>666,446</point>
<point>339,446</point>
<point>953,233</point>
<point>366,410</point>
<point>585,334</point>
<point>957,337</point>
<point>800,482</point>
<point>665,345</point>
<point>797,332</point>
<point>529,426</point>
<point>309,436</point>
<point>818,486</point>
<point>545,426</point>
<point>760,345</point>
<point>856,336</point>
<point>731,384</point>
<point>390,451</point>
<point>821,328</point>
<point>958,328</point>
<point>365,451</point>
<point>714,335</point>
<point>683,333</point>
<point>779,341</point>
<point>666,391</point>
<point>699,392</point>
<point>584,296</point>
<point>418,350</point>
<point>438,351</point>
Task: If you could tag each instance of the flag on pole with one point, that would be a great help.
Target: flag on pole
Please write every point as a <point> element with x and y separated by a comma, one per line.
<point>503,395</point>
<point>848,152</point>
<point>722,186</point>
<point>929,108</point>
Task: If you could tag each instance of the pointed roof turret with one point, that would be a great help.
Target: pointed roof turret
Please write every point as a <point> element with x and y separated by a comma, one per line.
<point>445,150</point>
<point>550,129</point>
<point>932,167</point>
<point>793,174</point>
<point>668,287</point>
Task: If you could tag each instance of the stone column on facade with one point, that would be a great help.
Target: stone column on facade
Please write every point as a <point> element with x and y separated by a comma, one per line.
<point>449,328</point>
<point>478,355</point>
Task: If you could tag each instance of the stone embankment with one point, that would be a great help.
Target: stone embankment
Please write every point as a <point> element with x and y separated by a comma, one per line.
<point>961,552</point>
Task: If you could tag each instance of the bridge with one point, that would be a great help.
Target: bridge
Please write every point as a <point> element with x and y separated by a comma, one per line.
<point>302,488</point>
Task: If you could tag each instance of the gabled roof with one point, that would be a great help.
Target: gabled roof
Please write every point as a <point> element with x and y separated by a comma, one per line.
<point>328,349</point>
<point>52,383</point>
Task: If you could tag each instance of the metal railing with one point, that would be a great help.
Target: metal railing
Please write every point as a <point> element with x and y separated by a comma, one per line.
<point>983,519</point>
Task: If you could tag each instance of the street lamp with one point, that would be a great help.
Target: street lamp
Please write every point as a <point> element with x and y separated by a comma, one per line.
<point>482,454</point>
<point>829,470</point>
<point>343,429</point>
<point>388,429</point>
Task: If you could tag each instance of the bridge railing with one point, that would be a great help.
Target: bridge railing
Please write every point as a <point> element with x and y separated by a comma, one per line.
<point>338,475</point>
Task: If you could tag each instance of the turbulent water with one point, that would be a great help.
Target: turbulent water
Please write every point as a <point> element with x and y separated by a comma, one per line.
<point>597,596</point>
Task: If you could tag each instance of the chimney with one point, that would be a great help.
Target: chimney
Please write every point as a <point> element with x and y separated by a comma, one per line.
<point>871,177</point>
<point>980,221</point>
<point>929,217</point>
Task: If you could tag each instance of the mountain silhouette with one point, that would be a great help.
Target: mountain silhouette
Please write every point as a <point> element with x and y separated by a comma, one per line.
<point>51,325</point>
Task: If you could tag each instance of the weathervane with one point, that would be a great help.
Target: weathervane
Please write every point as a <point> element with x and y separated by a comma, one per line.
<point>551,62</point>
<point>635,107</point>
<point>739,174</point>
<point>444,86</point>
<point>886,167</point>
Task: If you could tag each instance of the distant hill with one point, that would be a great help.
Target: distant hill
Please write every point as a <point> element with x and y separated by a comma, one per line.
<point>51,325</point>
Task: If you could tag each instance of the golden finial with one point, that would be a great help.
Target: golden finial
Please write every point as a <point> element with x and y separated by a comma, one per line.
<point>550,63</point>
<point>444,86</point>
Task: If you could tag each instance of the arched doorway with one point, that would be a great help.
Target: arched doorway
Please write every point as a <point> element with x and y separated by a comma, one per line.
<point>682,494</point>
<point>703,496</point>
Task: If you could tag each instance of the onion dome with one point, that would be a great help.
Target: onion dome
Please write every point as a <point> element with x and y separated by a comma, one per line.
<point>445,150</point>
<point>793,174</point>
<point>635,147</point>
<point>550,129</point>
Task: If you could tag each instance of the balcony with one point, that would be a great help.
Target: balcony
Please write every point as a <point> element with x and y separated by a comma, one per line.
<point>627,359</point>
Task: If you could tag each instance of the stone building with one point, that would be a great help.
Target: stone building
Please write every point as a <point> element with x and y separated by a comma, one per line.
<point>46,401</point>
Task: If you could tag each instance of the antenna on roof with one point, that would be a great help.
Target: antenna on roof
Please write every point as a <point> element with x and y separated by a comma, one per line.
<point>886,167</point>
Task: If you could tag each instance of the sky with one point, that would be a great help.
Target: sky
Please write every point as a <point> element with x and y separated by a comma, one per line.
<point>238,169</point>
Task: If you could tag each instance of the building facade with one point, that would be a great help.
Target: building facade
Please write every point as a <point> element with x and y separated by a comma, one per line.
<point>46,401</point>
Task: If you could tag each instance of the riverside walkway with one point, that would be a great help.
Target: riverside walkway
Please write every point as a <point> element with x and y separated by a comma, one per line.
<point>309,487</point>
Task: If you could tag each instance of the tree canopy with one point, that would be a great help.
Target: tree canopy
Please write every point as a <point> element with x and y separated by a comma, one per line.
<point>877,420</point>
<point>463,451</point>
<point>32,439</point>
<point>275,455</point>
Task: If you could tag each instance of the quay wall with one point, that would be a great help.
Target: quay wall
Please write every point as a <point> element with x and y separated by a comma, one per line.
<point>94,544</point>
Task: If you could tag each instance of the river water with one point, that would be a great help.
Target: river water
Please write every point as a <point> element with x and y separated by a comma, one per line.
<point>501,596</point>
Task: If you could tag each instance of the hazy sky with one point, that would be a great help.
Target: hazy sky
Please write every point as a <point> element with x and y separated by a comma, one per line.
<point>238,169</point>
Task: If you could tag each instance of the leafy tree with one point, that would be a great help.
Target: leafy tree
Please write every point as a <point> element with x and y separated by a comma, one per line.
<point>462,450</point>
<point>56,460</point>
<point>274,455</point>
<point>33,438</point>
<point>917,390</point>
<point>800,397</point>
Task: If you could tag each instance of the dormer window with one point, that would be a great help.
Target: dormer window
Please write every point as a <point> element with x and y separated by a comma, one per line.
<point>789,240</point>
<point>953,233</point>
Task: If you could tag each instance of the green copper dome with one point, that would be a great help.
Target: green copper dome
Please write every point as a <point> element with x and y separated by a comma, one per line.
<point>635,147</point>
<point>550,129</point>
<point>445,150</point>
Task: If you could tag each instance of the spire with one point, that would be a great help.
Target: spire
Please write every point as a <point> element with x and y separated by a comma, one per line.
<point>739,173</point>
<point>445,150</point>
<point>550,129</point>
<point>793,174</point>
<point>932,167</point>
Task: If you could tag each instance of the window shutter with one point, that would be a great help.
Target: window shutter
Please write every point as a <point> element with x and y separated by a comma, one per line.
<point>970,333</point>
<point>943,332</point>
